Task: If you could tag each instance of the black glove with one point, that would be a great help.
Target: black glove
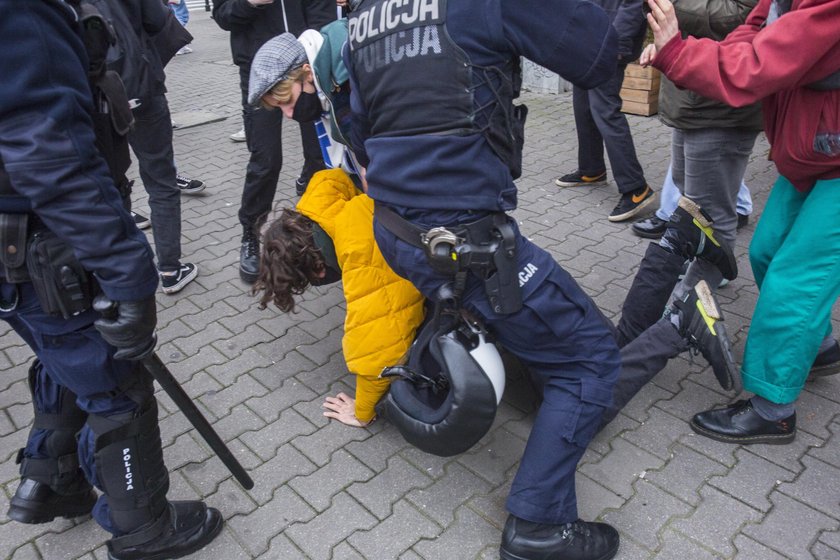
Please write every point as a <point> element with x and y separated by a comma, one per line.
<point>127,325</point>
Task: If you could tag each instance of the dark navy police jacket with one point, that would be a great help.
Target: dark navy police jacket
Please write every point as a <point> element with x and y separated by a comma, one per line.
<point>47,147</point>
<point>573,38</point>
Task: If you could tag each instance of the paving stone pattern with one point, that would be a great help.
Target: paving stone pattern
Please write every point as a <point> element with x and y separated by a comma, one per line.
<point>324,490</point>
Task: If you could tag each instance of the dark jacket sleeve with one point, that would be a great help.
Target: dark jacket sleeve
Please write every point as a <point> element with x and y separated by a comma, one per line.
<point>630,24</point>
<point>47,147</point>
<point>319,13</point>
<point>573,38</point>
<point>233,14</point>
<point>359,125</point>
<point>154,15</point>
<point>712,18</point>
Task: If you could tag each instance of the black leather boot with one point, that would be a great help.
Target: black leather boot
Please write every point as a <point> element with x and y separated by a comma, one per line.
<point>249,256</point>
<point>740,423</point>
<point>52,485</point>
<point>36,502</point>
<point>184,528</point>
<point>581,540</point>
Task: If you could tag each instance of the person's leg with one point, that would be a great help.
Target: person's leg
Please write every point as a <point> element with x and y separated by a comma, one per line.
<point>744,204</point>
<point>181,11</point>
<point>650,292</point>
<point>590,143</point>
<point>605,108</point>
<point>119,447</point>
<point>793,313</point>
<point>52,483</point>
<point>714,165</point>
<point>151,140</point>
<point>668,197</point>
<point>562,336</point>
<point>263,130</point>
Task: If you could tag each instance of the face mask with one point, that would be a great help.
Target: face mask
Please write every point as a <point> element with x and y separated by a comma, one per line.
<point>307,108</point>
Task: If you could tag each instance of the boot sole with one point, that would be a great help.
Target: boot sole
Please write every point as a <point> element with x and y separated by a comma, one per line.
<point>29,516</point>
<point>780,439</point>
<point>730,380</point>
<point>635,211</point>
<point>247,277</point>
<point>505,555</point>
<point>567,185</point>
<point>824,371</point>
<point>167,555</point>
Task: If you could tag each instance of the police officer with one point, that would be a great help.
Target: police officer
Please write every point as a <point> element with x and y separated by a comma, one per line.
<point>59,201</point>
<point>433,83</point>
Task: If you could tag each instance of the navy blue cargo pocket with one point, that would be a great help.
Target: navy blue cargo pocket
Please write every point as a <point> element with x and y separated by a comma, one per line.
<point>594,396</point>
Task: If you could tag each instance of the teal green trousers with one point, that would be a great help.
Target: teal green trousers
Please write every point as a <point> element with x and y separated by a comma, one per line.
<point>795,257</point>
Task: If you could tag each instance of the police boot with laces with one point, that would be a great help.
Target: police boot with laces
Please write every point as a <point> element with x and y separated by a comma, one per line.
<point>701,324</point>
<point>184,528</point>
<point>581,540</point>
<point>690,234</point>
<point>249,256</point>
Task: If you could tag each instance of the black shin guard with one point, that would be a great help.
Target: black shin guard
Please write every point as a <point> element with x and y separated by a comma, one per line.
<point>130,468</point>
<point>53,486</point>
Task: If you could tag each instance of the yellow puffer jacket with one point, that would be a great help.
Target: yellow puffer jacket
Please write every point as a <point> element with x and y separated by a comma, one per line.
<point>383,309</point>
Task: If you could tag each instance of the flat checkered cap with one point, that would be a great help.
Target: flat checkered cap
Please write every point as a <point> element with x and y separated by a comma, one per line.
<point>272,63</point>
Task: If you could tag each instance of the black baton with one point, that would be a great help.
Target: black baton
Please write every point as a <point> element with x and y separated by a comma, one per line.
<point>167,381</point>
<point>169,384</point>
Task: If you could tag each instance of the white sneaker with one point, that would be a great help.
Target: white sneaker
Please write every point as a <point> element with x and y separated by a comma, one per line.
<point>239,136</point>
<point>184,50</point>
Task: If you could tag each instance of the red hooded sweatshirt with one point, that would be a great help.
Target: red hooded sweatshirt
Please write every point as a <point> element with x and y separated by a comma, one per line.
<point>773,63</point>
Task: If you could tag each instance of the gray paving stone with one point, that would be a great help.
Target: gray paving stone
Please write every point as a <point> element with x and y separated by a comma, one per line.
<point>277,471</point>
<point>594,500</point>
<point>25,552</point>
<point>441,499</point>
<point>716,521</point>
<point>273,376</point>
<point>752,479</point>
<point>685,473</point>
<point>469,534</point>
<point>74,541</point>
<point>493,459</point>
<point>318,445</point>
<point>676,545</point>
<point>791,527</point>
<point>748,549</point>
<point>318,537</point>
<point>619,470</point>
<point>319,487</point>
<point>394,535</point>
<point>492,506</point>
<point>256,530</point>
<point>647,514</point>
<point>823,552</point>
<point>380,493</point>
<point>266,441</point>
<point>818,486</point>
<point>658,434</point>
<point>377,449</point>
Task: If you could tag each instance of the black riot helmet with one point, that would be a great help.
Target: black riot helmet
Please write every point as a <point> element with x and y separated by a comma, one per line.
<point>446,395</point>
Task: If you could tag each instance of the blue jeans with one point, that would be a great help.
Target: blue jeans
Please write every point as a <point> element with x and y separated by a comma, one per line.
<point>181,11</point>
<point>600,123</point>
<point>151,140</point>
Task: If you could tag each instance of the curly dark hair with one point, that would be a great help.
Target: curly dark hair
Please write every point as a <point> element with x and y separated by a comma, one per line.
<point>290,260</point>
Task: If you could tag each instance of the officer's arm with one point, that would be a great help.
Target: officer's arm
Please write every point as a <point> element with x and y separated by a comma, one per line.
<point>154,14</point>
<point>319,13</point>
<point>47,146</point>
<point>573,38</point>
<point>359,123</point>
<point>232,14</point>
<point>630,24</point>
